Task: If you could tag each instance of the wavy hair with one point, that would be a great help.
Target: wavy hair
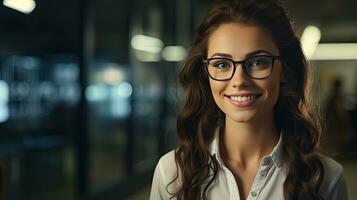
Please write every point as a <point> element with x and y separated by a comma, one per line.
<point>295,114</point>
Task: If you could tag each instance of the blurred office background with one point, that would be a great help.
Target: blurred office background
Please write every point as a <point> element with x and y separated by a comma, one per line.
<point>88,99</point>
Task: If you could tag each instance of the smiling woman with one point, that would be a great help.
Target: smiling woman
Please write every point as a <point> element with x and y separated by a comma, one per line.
<point>257,78</point>
<point>247,129</point>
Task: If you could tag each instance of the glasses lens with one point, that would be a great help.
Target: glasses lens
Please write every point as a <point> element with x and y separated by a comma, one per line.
<point>220,68</point>
<point>259,66</point>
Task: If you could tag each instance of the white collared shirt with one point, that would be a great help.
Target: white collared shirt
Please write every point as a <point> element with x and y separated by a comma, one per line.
<point>268,183</point>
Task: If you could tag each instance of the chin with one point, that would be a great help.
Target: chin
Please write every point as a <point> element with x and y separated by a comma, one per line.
<point>241,117</point>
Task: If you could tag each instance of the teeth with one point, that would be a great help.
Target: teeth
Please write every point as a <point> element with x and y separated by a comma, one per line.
<point>243,98</point>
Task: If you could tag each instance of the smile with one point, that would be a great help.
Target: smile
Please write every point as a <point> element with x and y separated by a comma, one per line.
<point>243,98</point>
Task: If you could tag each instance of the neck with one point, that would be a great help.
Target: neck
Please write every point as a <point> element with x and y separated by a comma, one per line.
<point>246,142</point>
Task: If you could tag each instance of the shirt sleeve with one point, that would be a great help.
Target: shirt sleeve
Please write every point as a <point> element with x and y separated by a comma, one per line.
<point>339,190</point>
<point>158,185</point>
<point>163,184</point>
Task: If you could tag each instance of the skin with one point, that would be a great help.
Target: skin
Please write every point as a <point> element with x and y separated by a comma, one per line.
<point>249,132</point>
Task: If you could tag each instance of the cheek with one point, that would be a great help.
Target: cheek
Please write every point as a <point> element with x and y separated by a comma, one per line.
<point>273,91</point>
<point>217,89</point>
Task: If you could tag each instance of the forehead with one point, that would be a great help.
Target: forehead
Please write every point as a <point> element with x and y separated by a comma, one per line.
<point>238,39</point>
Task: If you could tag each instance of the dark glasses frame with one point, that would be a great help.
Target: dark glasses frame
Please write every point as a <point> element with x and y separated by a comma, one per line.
<point>243,64</point>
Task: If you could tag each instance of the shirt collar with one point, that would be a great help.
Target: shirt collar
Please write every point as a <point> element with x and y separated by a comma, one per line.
<point>275,155</point>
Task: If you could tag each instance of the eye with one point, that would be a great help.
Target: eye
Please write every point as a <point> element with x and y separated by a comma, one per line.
<point>221,64</point>
<point>259,62</point>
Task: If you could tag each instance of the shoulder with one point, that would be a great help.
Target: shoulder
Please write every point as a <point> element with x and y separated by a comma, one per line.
<point>168,158</point>
<point>332,168</point>
<point>333,182</point>
<point>164,181</point>
<point>166,167</point>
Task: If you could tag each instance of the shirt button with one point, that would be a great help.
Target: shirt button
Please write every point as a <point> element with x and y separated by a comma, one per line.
<point>254,194</point>
<point>266,161</point>
<point>262,174</point>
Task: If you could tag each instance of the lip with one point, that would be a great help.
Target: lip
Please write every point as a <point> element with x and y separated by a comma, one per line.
<point>243,94</point>
<point>243,104</point>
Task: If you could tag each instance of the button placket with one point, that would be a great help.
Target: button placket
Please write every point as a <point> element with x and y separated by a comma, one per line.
<point>254,194</point>
<point>266,162</point>
<point>263,173</point>
<point>260,178</point>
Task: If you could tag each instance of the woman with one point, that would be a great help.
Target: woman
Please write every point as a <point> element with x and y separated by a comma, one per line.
<point>247,129</point>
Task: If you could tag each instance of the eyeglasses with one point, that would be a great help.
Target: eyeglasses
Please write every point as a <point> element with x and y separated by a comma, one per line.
<point>256,67</point>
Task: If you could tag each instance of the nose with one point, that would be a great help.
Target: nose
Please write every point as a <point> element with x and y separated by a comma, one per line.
<point>240,78</point>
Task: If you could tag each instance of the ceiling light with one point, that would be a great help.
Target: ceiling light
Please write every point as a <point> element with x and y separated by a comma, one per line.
<point>24,6</point>
<point>335,51</point>
<point>147,44</point>
<point>309,40</point>
<point>174,53</point>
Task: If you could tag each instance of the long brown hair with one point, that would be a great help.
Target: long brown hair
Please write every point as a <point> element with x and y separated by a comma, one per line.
<point>294,112</point>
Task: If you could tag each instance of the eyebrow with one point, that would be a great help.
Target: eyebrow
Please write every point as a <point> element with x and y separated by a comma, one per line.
<point>259,51</point>
<point>250,54</point>
<point>222,55</point>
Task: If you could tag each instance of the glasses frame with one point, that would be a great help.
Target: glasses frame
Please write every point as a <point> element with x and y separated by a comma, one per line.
<point>243,64</point>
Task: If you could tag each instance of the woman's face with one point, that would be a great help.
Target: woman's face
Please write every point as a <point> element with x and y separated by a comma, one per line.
<point>242,98</point>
